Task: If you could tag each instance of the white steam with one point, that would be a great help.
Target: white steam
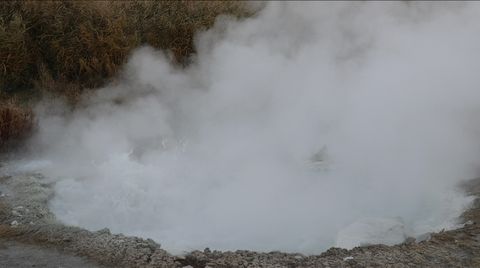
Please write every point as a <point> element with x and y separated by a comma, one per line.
<point>308,126</point>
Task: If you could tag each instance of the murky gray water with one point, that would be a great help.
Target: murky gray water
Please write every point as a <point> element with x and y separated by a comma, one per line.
<point>14,254</point>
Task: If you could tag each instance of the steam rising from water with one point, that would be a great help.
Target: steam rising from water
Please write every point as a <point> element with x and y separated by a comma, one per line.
<point>307,126</point>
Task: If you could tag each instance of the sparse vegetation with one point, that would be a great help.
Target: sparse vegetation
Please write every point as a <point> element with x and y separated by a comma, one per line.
<point>64,47</point>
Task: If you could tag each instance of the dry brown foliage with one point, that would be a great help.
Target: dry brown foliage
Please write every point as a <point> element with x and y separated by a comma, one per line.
<point>85,42</point>
<point>63,47</point>
<point>16,121</point>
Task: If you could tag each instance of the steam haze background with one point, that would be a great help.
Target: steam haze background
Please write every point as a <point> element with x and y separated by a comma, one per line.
<point>308,126</point>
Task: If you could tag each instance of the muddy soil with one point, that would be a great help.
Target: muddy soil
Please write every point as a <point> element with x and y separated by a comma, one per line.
<point>28,228</point>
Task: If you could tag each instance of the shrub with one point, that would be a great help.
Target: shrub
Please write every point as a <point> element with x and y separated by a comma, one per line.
<point>16,122</point>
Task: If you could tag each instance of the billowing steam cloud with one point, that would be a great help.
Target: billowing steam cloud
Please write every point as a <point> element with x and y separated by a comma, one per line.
<point>308,126</point>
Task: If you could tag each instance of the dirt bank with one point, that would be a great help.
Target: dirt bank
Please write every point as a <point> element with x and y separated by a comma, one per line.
<point>26,223</point>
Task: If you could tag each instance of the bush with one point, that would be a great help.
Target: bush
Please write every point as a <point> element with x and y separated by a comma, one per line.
<point>16,122</point>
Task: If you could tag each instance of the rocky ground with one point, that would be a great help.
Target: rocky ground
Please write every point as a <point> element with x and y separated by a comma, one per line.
<point>30,236</point>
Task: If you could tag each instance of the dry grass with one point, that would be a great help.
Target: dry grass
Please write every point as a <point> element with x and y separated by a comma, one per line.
<point>86,42</point>
<point>63,47</point>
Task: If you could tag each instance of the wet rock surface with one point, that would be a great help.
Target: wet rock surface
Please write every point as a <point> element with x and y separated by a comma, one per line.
<point>27,225</point>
